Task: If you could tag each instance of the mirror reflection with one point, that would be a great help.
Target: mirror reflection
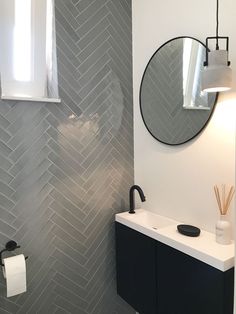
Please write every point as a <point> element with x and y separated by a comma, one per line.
<point>193,56</point>
<point>173,107</point>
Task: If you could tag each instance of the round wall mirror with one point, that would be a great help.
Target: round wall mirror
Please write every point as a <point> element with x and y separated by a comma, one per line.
<point>173,107</point>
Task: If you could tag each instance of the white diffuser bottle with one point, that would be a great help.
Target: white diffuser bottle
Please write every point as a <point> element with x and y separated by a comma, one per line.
<point>223,230</point>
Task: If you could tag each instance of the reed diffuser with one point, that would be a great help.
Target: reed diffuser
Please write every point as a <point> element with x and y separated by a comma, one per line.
<point>223,197</point>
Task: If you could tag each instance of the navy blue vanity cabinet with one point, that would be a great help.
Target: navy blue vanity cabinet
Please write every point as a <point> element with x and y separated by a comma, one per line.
<point>186,285</point>
<point>136,271</point>
<point>155,278</point>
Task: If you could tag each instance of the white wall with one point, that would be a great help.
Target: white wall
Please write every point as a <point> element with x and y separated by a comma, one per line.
<point>178,181</point>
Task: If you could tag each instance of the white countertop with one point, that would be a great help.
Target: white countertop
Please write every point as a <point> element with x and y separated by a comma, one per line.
<point>203,248</point>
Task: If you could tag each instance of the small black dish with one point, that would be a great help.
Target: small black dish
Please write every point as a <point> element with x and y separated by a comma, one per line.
<point>189,230</point>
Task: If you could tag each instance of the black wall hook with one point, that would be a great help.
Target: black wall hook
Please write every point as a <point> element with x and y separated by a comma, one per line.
<point>10,246</point>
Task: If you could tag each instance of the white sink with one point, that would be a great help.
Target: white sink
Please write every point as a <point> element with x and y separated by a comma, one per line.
<point>163,229</point>
<point>146,219</point>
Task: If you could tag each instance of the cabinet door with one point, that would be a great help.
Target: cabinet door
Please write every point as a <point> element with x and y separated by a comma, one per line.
<point>188,286</point>
<point>135,264</point>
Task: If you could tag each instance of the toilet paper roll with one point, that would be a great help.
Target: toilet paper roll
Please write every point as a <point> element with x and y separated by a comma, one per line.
<point>14,271</point>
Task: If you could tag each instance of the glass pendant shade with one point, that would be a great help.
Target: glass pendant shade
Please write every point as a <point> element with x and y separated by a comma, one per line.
<point>217,76</point>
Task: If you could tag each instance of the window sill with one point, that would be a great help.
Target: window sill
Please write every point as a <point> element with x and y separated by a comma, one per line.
<point>54,100</point>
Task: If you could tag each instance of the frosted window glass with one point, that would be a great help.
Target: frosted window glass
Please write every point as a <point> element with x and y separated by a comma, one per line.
<point>27,60</point>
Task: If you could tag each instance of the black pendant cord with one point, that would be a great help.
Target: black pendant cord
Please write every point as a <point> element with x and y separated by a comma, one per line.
<point>217,24</point>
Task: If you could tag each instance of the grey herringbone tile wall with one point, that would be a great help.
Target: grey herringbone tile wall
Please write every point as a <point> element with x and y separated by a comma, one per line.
<point>65,169</point>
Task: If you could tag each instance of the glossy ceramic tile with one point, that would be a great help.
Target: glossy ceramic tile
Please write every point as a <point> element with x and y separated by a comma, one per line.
<point>65,169</point>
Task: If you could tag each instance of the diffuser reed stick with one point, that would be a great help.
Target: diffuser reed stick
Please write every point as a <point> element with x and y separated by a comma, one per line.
<point>224,198</point>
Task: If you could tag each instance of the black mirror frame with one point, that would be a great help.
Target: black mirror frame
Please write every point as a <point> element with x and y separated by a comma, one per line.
<point>213,108</point>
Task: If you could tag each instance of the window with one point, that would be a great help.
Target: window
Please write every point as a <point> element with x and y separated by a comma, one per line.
<point>27,33</point>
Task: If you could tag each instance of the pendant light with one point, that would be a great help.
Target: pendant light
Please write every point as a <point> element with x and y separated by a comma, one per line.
<point>217,75</point>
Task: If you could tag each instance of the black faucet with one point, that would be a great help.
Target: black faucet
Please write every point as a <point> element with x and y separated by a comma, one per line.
<point>131,197</point>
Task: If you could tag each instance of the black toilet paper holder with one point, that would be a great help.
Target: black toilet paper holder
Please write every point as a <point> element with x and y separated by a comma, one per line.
<point>10,246</point>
